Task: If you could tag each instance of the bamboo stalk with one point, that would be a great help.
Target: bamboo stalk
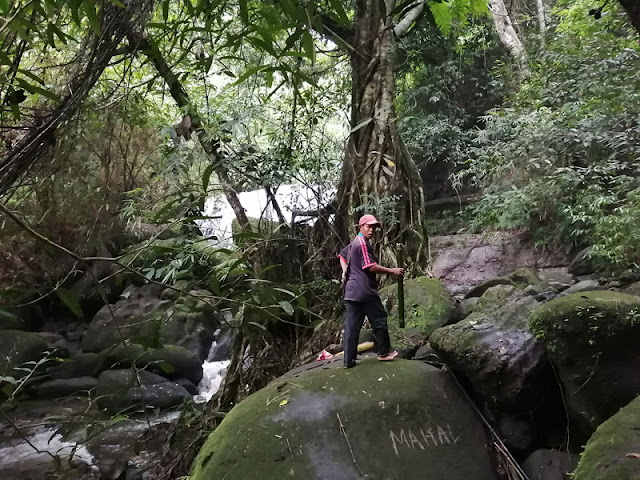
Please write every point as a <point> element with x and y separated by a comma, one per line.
<point>400,288</point>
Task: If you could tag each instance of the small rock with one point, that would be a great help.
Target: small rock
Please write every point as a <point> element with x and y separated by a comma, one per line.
<point>479,290</point>
<point>531,290</point>
<point>581,263</point>
<point>428,355</point>
<point>583,286</point>
<point>556,277</point>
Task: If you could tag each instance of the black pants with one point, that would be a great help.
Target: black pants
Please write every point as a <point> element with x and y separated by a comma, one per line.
<point>354,317</point>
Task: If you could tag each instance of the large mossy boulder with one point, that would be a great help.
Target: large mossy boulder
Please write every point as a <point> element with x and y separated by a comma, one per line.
<point>16,349</point>
<point>145,316</point>
<point>613,452</point>
<point>394,420</point>
<point>593,338</point>
<point>493,349</point>
<point>427,306</point>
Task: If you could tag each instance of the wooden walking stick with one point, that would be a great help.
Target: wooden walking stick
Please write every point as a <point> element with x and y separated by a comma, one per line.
<point>400,287</point>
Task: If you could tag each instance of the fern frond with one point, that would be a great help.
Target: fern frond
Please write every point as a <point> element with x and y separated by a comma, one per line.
<point>442,16</point>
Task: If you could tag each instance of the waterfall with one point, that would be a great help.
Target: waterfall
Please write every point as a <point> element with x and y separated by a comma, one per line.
<point>256,204</point>
<point>213,373</point>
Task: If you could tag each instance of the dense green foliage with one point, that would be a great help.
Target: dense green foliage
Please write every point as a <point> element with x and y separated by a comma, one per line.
<point>560,160</point>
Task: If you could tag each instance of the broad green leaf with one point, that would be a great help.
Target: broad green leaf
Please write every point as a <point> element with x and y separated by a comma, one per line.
<point>338,9</point>
<point>292,39</point>
<point>15,110</point>
<point>75,11</point>
<point>31,88</point>
<point>287,307</point>
<point>60,34</point>
<point>71,301</point>
<point>244,14</point>
<point>214,285</point>
<point>261,44</point>
<point>4,6</point>
<point>288,292</point>
<point>247,74</point>
<point>309,47</point>
<point>165,10</point>
<point>206,176</point>
<point>31,75</point>
<point>92,16</point>
<point>10,380</point>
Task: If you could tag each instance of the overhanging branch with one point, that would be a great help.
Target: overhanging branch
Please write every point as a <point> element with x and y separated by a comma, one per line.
<point>141,43</point>
<point>402,27</point>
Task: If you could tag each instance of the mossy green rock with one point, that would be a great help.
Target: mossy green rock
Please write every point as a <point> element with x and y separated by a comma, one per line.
<point>144,316</point>
<point>593,338</point>
<point>427,306</point>
<point>17,348</point>
<point>396,420</point>
<point>524,277</point>
<point>612,452</point>
<point>494,350</point>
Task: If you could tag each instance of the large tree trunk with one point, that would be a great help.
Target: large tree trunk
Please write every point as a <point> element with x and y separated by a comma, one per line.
<point>37,144</point>
<point>633,10</point>
<point>507,34</point>
<point>377,165</point>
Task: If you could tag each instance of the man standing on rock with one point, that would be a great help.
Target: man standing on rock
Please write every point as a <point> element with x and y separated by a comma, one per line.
<point>361,298</point>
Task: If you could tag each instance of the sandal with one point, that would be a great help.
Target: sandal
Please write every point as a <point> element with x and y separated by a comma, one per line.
<point>388,357</point>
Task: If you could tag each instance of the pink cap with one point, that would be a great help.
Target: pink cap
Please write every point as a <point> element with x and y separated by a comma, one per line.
<point>368,220</point>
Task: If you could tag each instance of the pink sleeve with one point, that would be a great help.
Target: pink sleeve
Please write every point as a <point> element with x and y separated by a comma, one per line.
<point>367,261</point>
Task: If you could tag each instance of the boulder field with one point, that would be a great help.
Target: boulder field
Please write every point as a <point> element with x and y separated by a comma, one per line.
<point>388,421</point>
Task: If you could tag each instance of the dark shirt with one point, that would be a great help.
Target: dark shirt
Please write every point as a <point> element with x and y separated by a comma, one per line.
<point>361,284</point>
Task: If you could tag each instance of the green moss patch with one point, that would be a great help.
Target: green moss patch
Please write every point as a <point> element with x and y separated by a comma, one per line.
<point>586,323</point>
<point>524,277</point>
<point>613,451</point>
<point>401,418</point>
<point>593,339</point>
<point>428,306</point>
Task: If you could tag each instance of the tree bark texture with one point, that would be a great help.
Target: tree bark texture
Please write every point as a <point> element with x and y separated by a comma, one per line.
<point>507,34</point>
<point>633,10</point>
<point>376,163</point>
<point>37,144</point>
<point>542,19</point>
